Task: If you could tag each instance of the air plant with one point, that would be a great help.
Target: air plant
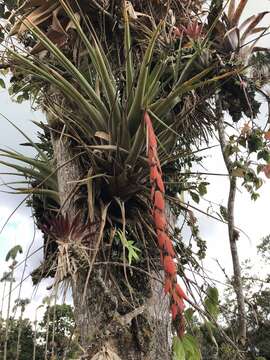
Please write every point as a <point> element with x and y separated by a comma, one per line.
<point>236,35</point>
<point>73,248</point>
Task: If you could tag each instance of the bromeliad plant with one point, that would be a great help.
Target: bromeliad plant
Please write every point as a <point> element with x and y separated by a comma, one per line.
<point>119,120</point>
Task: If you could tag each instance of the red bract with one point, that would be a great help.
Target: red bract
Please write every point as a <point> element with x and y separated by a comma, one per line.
<point>160,220</point>
<point>161,236</point>
<point>178,301</point>
<point>159,201</point>
<point>180,292</point>
<point>169,265</point>
<point>174,311</point>
<point>153,173</point>
<point>168,285</point>
<point>181,326</point>
<point>160,183</point>
<point>168,247</point>
<point>193,30</point>
<point>152,142</point>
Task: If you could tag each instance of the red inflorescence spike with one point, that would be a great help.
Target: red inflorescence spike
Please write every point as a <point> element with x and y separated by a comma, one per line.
<point>169,265</point>
<point>159,200</point>
<point>167,253</point>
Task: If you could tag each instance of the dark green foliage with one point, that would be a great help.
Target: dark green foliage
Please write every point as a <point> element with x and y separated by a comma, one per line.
<point>26,342</point>
<point>239,98</point>
<point>61,321</point>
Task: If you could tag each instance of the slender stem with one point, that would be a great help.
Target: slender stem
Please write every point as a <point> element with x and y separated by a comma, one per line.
<point>53,329</point>
<point>35,338</point>
<point>8,310</point>
<point>47,331</point>
<point>3,299</point>
<point>233,233</point>
<point>19,335</point>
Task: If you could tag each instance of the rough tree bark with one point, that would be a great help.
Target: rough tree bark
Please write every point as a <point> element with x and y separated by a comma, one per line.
<point>233,233</point>
<point>103,323</point>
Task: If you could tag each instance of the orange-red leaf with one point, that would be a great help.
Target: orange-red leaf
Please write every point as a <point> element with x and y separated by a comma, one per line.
<point>169,265</point>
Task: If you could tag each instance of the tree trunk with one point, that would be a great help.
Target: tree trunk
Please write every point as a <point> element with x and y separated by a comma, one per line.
<point>106,321</point>
<point>233,233</point>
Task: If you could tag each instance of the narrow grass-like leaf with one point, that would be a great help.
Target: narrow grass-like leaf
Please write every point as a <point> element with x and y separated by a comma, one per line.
<point>135,114</point>
<point>72,69</point>
<point>129,62</point>
<point>96,122</point>
<point>100,63</point>
<point>137,145</point>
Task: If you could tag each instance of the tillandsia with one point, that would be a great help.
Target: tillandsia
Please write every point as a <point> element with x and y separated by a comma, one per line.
<point>167,252</point>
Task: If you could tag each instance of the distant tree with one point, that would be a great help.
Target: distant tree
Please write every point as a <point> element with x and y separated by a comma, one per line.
<point>20,303</point>
<point>60,331</point>
<point>11,255</point>
<point>256,289</point>
<point>26,342</point>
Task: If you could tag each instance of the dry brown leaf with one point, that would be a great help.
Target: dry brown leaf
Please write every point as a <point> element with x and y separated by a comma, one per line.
<point>266,170</point>
<point>267,135</point>
<point>106,354</point>
<point>102,135</point>
<point>36,17</point>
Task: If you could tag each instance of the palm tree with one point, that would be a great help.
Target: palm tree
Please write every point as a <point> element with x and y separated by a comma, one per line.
<point>35,332</point>
<point>11,255</point>
<point>127,90</point>
<point>47,301</point>
<point>20,303</point>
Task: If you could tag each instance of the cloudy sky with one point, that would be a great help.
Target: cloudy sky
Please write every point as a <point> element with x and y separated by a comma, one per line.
<point>251,217</point>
